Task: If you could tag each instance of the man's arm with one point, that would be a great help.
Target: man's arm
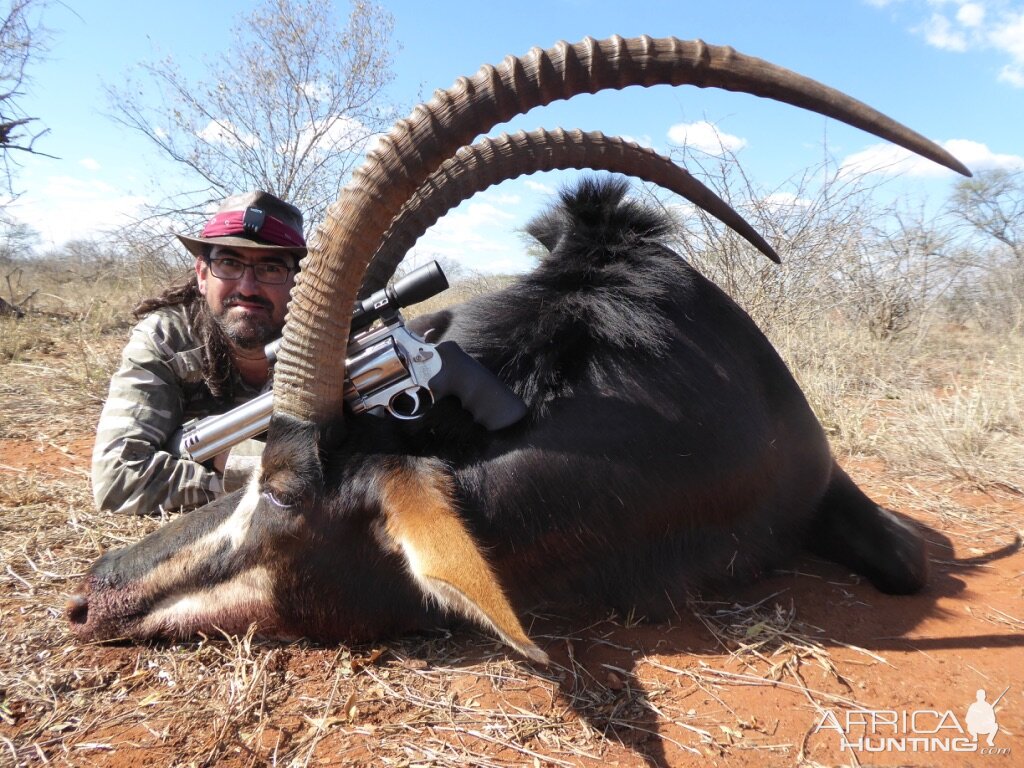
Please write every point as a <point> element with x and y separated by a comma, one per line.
<point>132,469</point>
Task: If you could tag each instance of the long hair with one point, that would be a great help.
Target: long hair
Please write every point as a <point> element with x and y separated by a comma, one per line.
<point>218,368</point>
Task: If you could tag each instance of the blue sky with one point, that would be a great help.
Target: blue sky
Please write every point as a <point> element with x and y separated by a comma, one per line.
<point>950,69</point>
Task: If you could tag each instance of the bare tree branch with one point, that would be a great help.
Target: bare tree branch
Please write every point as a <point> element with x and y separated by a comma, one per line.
<point>23,40</point>
<point>992,204</point>
<point>288,106</point>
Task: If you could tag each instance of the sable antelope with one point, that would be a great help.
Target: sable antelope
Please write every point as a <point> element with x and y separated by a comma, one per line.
<point>665,447</point>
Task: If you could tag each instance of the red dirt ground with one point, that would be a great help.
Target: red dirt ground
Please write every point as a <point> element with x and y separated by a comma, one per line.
<point>917,658</point>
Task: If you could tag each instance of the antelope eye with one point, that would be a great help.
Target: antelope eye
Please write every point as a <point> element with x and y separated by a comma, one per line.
<point>281,501</point>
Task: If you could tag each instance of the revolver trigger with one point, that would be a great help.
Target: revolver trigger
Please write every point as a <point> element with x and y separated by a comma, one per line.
<point>408,405</point>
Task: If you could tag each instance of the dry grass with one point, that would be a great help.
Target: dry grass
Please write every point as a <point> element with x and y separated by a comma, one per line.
<point>944,407</point>
<point>949,404</point>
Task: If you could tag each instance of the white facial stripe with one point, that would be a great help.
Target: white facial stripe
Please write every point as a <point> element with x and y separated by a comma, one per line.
<point>236,527</point>
<point>246,598</point>
<point>233,530</point>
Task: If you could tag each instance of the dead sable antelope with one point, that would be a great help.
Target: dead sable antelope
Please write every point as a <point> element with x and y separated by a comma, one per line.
<point>666,447</point>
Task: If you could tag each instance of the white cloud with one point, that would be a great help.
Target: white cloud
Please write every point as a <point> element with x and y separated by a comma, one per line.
<point>940,33</point>
<point>63,208</point>
<point>973,25</point>
<point>480,234</point>
<point>705,137</point>
<point>1012,75</point>
<point>680,209</point>
<point>333,134</point>
<point>1008,36</point>
<point>643,141</point>
<point>224,132</point>
<point>472,224</point>
<point>786,201</point>
<point>978,156</point>
<point>888,159</point>
<point>89,164</point>
<point>539,187</point>
<point>373,142</point>
<point>971,14</point>
<point>314,90</point>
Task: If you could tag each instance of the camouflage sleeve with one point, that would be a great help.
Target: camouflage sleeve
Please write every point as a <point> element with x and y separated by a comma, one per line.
<point>242,460</point>
<point>132,469</point>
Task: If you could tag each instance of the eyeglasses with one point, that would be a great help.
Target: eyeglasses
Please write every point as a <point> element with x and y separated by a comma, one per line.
<point>269,272</point>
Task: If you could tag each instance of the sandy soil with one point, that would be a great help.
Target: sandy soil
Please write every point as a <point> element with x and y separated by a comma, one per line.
<point>744,680</point>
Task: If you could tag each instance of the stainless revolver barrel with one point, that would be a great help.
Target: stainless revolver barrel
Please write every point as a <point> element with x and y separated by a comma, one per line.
<point>203,439</point>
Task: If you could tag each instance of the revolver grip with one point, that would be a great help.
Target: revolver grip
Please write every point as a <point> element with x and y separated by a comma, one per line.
<point>484,395</point>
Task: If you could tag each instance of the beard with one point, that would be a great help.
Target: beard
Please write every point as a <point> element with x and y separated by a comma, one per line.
<point>248,330</point>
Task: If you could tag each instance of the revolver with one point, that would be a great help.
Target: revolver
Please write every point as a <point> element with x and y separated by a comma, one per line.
<point>389,370</point>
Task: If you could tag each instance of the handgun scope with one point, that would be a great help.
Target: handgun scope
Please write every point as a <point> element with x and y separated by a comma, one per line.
<point>419,285</point>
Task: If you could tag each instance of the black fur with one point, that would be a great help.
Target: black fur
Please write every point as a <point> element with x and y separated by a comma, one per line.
<point>666,448</point>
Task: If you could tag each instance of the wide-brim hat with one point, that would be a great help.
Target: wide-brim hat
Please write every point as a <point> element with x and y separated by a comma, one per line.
<point>252,220</point>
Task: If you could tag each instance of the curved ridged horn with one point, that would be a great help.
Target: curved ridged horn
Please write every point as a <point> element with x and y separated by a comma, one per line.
<point>493,160</point>
<point>305,385</point>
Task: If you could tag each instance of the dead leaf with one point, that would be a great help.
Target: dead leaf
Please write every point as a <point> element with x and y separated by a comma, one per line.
<point>323,723</point>
<point>755,630</point>
<point>614,681</point>
<point>732,733</point>
<point>351,711</point>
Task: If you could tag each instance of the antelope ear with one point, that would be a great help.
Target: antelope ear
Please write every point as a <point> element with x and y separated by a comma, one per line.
<point>443,558</point>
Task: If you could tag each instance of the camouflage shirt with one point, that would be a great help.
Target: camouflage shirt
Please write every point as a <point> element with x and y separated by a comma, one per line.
<point>159,386</point>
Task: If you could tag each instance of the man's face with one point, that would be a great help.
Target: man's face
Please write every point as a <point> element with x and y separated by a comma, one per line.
<point>250,312</point>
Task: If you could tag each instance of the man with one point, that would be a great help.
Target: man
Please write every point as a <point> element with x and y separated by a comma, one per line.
<point>197,351</point>
<point>981,718</point>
